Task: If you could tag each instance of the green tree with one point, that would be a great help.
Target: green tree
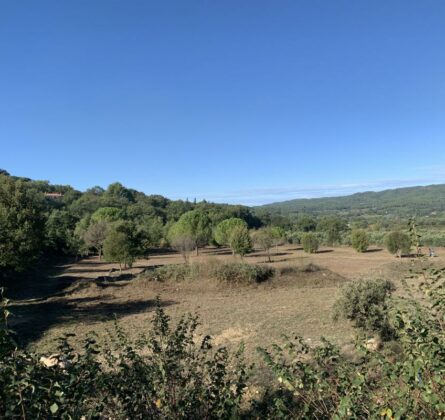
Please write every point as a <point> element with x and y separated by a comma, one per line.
<point>263,239</point>
<point>398,243</point>
<point>239,240</point>
<point>359,240</point>
<point>60,232</point>
<point>194,224</point>
<point>278,235</point>
<point>22,224</point>
<point>94,236</point>
<point>309,241</point>
<point>224,229</point>
<point>119,247</point>
<point>150,231</point>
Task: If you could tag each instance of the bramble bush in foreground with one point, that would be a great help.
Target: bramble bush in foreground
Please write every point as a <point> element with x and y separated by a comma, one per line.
<point>166,374</point>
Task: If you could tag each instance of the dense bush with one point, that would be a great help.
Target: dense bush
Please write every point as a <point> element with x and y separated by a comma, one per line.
<point>241,273</point>
<point>365,303</point>
<point>359,240</point>
<point>398,243</point>
<point>310,242</point>
<point>227,272</point>
<point>175,272</point>
<point>166,374</point>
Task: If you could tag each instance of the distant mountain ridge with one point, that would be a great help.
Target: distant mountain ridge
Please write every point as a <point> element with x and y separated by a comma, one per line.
<point>419,200</point>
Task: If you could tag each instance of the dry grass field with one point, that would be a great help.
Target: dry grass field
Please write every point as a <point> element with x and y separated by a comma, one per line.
<point>84,296</point>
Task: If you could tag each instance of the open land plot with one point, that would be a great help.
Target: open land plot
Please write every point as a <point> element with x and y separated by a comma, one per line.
<point>85,297</point>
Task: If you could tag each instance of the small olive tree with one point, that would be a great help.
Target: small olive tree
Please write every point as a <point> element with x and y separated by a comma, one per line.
<point>398,243</point>
<point>95,235</point>
<point>359,240</point>
<point>309,241</point>
<point>263,239</point>
<point>118,247</point>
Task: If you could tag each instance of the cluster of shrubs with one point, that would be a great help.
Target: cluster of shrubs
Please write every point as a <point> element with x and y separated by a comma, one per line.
<point>241,273</point>
<point>224,272</point>
<point>168,373</point>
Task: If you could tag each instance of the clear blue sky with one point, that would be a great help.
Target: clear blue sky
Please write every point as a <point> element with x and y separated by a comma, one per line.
<point>237,101</point>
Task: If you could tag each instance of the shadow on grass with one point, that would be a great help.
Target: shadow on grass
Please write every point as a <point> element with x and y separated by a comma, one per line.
<point>32,319</point>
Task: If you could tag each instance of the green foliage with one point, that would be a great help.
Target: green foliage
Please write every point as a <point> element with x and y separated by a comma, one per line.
<point>306,223</point>
<point>22,224</point>
<point>398,243</point>
<point>59,229</point>
<point>150,231</point>
<point>167,373</point>
<point>241,273</point>
<point>365,303</point>
<point>94,236</point>
<point>35,223</point>
<point>239,240</point>
<point>263,238</point>
<point>107,214</point>
<point>120,245</point>
<point>194,224</point>
<point>310,243</point>
<point>401,201</point>
<point>333,227</point>
<point>403,381</point>
<point>359,240</point>
<point>173,272</point>
<point>224,229</point>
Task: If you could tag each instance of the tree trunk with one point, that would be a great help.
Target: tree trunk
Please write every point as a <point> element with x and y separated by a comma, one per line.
<point>197,250</point>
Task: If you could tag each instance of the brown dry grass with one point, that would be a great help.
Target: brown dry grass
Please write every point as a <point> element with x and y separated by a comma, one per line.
<point>85,298</point>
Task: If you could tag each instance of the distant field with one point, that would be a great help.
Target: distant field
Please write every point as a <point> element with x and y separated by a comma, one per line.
<point>83,298</point>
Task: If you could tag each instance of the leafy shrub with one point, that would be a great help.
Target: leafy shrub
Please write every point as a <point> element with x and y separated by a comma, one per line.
<point>398,243</point>
<point>166,374</point>
<point>310,242</point>
<point>365,303</point>
<point>359,240</point>
<point>175,272</point>
<point>295,269</point>
<point>403,381</point>
<point>241,273</point>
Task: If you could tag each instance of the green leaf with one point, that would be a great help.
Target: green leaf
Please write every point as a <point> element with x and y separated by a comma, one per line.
<point>54,408</point>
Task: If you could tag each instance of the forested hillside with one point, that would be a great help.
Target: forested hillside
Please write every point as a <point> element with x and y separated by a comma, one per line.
<point>39,220</point>
<point>419,201</point>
